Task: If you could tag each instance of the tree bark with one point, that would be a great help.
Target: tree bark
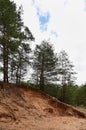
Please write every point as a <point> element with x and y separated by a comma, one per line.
<point>42,74</point>
<point>5,63</point>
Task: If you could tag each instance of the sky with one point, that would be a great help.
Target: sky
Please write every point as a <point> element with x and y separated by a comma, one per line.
<point>63,22</point>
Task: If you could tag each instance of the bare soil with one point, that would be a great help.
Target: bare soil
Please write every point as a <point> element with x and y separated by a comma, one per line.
<point>30,109</point>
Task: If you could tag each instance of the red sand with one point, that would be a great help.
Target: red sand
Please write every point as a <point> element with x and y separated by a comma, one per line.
<point>31,109</point>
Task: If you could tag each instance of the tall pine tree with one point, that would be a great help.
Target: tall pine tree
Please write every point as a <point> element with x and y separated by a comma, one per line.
<point>44,64</point>
<point>65,73</point>
<point>12,34</point>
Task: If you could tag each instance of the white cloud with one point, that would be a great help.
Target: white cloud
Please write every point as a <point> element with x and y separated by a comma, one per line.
<point>66,2</point>
<point>68,21</point>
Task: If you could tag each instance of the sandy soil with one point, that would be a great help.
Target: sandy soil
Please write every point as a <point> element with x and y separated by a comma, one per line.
<point>30,109</point>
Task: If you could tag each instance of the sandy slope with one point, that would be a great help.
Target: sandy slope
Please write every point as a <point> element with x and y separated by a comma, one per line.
<point>29,109</point>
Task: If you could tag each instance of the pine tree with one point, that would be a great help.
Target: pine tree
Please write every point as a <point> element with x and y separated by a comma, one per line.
<point>44,64</point>
<point>12,34</point>
<point>19,63</point>
<point>65,73</point>
<point>8,29</point>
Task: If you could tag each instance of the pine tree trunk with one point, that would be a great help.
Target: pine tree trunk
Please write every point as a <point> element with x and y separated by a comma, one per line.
<point>5,63</point>
<point>37,81</point>
<point>42,74</point>
<point>64,93</point>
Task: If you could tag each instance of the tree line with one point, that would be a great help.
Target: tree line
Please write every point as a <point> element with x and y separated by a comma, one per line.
<point>51,72</point>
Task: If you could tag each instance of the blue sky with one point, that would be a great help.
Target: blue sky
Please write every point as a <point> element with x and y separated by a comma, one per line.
<point>64,23</point>
<point>43,19</point>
